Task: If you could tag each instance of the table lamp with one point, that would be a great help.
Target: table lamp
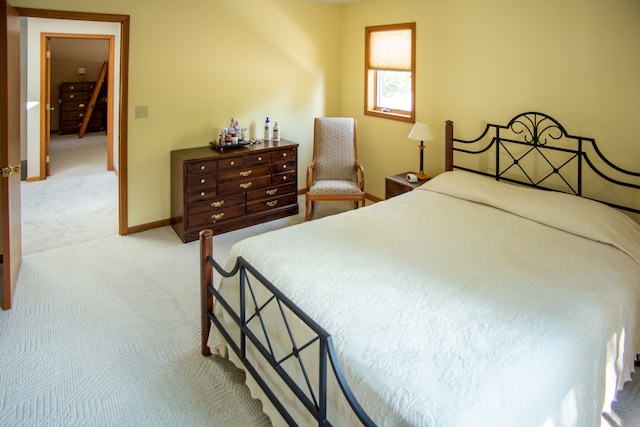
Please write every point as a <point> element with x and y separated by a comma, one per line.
<point>421,132</point>
<point>81,71</point>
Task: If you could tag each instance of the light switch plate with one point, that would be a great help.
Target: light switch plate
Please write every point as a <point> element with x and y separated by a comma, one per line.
<point>142,112</point>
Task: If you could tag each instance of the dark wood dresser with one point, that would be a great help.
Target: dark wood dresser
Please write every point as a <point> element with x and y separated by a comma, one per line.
<point>233,189</point>
<point>74,99</point>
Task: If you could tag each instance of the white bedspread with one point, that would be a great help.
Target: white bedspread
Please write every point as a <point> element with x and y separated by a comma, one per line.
<point>457,313</point>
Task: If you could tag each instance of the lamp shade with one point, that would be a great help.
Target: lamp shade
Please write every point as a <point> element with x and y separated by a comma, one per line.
<point>421,132</point>
<point>82,70</point>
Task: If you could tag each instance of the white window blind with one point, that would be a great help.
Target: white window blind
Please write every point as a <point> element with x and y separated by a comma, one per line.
<point>390,50</point>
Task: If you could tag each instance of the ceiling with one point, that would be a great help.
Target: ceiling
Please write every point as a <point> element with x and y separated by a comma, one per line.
<point>333,1</point>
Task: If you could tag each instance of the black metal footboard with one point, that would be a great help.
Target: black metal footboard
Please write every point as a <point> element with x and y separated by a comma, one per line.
<point>257,295</point>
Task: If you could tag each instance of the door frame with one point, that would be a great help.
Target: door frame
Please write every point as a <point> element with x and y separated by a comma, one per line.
<point>123,110</point>
<point>45,93</point>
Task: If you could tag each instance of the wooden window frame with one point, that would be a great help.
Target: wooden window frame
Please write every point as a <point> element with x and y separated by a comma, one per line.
<point>370,77</point>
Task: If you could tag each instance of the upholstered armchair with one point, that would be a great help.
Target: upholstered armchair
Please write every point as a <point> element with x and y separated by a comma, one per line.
<point>334,173</point>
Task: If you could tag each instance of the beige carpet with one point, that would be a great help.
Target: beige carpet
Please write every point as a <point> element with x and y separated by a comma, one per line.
<point>105,331</point>
<point>79,201</point>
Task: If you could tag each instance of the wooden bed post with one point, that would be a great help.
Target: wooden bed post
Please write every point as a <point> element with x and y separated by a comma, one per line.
<point>206,277</point>
<point>448,146</point>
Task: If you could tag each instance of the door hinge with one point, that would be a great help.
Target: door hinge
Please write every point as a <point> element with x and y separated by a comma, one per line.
<point>8,170</point>
<point>48,54</point>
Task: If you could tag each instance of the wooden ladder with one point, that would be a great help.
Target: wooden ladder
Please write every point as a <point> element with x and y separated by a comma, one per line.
<point>92,102</point>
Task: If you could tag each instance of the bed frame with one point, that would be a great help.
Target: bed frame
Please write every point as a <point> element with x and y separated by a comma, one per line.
<point>535,150</point>
<point>517,152</point>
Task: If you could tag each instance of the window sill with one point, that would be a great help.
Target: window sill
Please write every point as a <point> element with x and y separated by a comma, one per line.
<point>390,116</point>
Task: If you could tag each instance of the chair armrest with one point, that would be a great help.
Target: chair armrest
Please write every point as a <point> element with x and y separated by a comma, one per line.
<point>360,176</point>
<point>310,174</point>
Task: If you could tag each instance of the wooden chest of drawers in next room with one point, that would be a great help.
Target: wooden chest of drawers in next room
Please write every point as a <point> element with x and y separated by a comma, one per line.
<point>234,189</point>
<point>74,99</point>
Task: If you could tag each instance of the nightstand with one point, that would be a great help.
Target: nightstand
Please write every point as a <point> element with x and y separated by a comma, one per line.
<point>398,184</point>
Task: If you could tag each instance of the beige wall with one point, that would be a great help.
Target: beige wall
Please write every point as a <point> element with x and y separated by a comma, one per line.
<point>481,62</point>
<point>198,63</point>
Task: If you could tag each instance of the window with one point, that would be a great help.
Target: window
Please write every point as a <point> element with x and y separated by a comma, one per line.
<point>390,71</point>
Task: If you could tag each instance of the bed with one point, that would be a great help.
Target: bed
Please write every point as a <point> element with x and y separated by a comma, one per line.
<point>469,301</point>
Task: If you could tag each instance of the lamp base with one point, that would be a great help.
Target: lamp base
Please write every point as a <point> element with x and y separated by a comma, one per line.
<point>422,177</point>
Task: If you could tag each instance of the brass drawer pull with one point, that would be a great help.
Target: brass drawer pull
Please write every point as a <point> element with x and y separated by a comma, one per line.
<point>272,191</point>
<point>202,181</point>
<point>284,154</point>
<point>202,193</point>
<point>284,178</point>
<point>284,166</point>
<point>217,203</point>
<point>203,167</point>
<point>260,158</point>
<point>246,185</point>
<point>272,203</point>
<point>246,173</point>
<point>232,163</point>
<point>216,217</point>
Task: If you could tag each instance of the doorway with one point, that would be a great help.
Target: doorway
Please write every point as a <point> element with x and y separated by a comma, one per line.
<point>70,68</point>
<point>119,85</point>
<point>14,18</point>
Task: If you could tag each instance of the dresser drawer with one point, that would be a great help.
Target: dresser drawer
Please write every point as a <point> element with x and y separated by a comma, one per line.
<point>205,166</point>
<point>244,173</point>
<point>77,115</point>
<point>288,154</point>
<point>196,190</point>
<point>231,162</point>
<point>73,106</point>
<point>76,86</point>
<point>71,87</point>
<point>259,159</point>
<point>284,178</point>
<point>274,203</point>
<point>201,181</point>
<point>70,126</point>
<point>216,204</point>
<point>284,166</point>
<point>243,185</point>
<point>75,96</point>
<point>206,219</point>
<point>269,192</point>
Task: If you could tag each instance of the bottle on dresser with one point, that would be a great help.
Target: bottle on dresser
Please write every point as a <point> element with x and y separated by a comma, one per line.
<point>276,132</point>
<point>267,130</point>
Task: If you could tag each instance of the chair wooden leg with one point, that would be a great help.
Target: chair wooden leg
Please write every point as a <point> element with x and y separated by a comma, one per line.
<point>308,210</point>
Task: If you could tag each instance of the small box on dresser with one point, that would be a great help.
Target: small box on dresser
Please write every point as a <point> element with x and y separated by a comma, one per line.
<point>233,189</point>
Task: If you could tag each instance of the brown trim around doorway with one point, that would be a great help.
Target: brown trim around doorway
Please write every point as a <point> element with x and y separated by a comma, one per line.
<point>45,83</point>
<point>122,138</point>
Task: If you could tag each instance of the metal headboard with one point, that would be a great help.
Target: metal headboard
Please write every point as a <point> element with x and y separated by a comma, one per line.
<point>535,150</point>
